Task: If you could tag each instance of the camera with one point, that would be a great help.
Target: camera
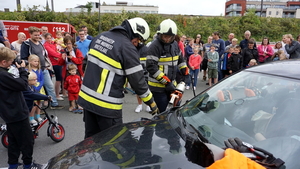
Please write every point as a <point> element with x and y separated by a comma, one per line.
<point>19,61</point>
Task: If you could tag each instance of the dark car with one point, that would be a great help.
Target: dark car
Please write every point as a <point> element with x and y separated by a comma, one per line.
<point>260,105</point>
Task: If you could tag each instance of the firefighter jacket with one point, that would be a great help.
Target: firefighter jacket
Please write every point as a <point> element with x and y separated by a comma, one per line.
<point>163,59</point>
<point>142,49</point>
<point>111,60</point>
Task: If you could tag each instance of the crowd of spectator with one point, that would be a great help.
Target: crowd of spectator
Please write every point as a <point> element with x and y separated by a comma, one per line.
<point>53,53</point>
<point>234,55</point>
<point>63,58</point>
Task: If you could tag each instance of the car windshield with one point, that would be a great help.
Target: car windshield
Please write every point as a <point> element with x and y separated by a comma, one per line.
<point>260,109</point>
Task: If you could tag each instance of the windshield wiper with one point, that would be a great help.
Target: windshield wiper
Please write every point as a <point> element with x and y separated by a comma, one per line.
<point>200,136</point>
<point>195,131</point>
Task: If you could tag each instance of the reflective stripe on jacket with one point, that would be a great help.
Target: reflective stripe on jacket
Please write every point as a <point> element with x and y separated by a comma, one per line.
<point>163,60</point>
<point>112,59</point>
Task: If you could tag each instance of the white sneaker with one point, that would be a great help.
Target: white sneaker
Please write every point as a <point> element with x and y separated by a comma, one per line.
<point>60,98</point>
<point>187,87</point>
<point>33,122</point>
<point>194,88</point>
<point>148,109</point>
<point>39,119</point>
<point>138,108</point>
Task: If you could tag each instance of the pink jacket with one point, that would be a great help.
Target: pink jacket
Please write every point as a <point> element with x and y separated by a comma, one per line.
<point>195,61</point>
<point>262,49</point>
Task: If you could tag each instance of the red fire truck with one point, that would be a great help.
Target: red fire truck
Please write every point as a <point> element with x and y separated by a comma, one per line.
<point>14,27</point>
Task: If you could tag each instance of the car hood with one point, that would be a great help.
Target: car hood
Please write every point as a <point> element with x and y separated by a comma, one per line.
<point>143,144</point>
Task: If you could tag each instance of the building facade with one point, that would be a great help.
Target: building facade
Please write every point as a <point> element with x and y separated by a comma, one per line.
<point>264,8</point>
<point>116,8</point>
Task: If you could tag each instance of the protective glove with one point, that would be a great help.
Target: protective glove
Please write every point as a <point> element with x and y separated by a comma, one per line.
<point>184,71</point>
<point>164,80</point>
<point>154,108</point>
<point>260,155</point>
<point>245,148</point>
<point>170,87</point>
<point>236,144</point>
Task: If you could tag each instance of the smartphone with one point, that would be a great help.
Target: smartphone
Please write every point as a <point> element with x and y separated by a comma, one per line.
<point>68,54</point>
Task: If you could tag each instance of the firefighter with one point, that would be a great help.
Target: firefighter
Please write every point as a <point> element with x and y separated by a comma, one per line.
<point>112,60</point>
<point>142,49</point>
<point>163,60</point>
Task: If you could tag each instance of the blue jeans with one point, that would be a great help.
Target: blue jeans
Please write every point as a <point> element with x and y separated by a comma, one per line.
<point>193,74</point>
<point>220,74</point>
<point>49,87</point>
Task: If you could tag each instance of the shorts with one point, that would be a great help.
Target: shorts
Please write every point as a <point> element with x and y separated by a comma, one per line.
<point>203,65</point>
<point>57,72</point>
<point>212,73</point>
<point>72,96</point>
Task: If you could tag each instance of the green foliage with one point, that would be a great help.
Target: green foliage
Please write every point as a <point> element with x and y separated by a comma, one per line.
<point>89,7</point>
<point>190,26</point>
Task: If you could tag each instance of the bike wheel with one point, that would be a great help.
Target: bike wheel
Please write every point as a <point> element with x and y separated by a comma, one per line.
<point>4,139</point>
<point>55,134</point>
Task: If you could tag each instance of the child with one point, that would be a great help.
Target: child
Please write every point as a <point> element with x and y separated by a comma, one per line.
<point>194,62</point>
<point>224,61</point>
<point>252,62</point>
<point>235,62</point>
<point>14,111</point>
<point>59,40</point>
<point>35,66</point>
<point>279,55</point>
<point>282,55</point>
<point>72,85</point>
<point>30,95</point>
<point>212,64</point>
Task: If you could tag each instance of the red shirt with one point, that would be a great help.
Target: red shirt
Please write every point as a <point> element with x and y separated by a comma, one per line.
<point>72,84</point>
<point>53,54</point>
<point>181,47</point>
<point>195,60</point>
<point>76,60</point>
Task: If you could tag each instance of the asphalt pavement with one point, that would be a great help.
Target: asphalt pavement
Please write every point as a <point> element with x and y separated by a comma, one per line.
<point>45,148</point>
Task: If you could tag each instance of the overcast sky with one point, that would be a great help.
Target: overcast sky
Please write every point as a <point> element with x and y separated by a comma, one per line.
<point>189,7</point>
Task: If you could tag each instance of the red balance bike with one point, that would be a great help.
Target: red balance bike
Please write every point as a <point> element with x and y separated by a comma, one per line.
<point>55,130</point>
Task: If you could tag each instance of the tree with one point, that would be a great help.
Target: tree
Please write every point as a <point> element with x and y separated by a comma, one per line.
<point>273,28</point>
<point>89,7</point>
<point>47,7</point>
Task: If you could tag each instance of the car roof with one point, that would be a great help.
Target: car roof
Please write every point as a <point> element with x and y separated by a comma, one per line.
<point>286,68</point>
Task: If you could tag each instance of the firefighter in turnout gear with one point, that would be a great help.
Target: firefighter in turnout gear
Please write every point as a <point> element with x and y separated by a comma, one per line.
<point>163,60</point>
<point>112,60</point>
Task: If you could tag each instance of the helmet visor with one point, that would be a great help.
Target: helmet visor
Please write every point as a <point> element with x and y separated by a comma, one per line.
<point>167,38</point>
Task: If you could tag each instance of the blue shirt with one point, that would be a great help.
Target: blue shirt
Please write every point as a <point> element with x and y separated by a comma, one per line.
<point>220,46</point>
<point>83,46</point>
